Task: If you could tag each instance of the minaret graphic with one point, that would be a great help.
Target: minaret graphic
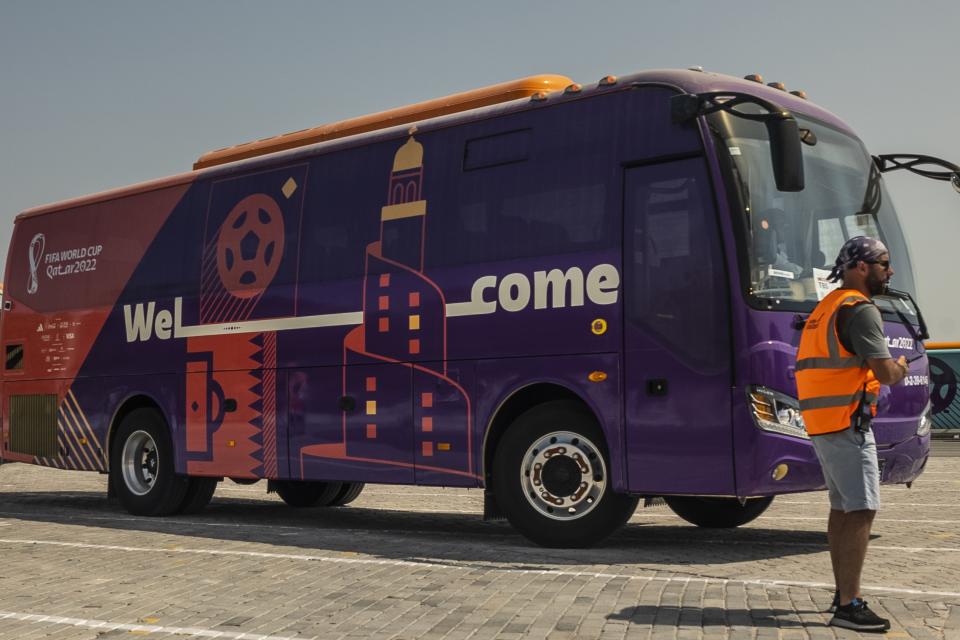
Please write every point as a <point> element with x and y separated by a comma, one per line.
<point>404,324</point>
<point>395,280</point>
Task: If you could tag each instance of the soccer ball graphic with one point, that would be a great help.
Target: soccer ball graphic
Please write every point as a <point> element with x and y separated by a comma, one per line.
<point>250,246</point>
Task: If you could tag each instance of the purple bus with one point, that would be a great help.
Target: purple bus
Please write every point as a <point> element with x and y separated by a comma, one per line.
<point>572,297</point>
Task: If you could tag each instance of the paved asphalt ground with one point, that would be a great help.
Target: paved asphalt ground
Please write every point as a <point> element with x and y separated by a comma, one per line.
<point>404,562</point>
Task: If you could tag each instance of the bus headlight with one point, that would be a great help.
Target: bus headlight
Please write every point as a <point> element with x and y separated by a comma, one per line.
<point>776,412</point>
<point>926,421</point>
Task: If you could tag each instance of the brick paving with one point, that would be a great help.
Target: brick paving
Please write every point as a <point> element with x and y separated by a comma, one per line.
<point>406,562</point>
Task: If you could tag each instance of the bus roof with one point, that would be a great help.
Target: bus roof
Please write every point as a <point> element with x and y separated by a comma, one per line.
<point>485,96</point>
<point>479,102</point>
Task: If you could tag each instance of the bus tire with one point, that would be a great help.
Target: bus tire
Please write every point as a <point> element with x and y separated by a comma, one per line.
<point>348,493</point>
<point>717,513</point>
<point>551,478</point>
<point>142,467</point>
<point>305,493</point>
<point>199,493</point>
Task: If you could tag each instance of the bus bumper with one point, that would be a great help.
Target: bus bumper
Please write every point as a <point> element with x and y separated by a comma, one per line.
<point>904,461</point>
<point>790,465</point>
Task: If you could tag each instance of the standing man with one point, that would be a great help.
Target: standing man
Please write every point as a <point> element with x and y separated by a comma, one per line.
<point>842,361</point>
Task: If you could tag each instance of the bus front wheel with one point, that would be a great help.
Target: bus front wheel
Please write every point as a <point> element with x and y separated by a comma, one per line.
<point>551,478</point>
<point>141,466</point>
<point>717,513</point>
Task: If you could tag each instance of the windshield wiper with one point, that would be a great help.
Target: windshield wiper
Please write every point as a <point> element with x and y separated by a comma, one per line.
<point>914,162</point>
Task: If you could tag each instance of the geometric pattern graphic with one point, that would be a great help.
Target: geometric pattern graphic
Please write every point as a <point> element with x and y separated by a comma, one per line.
<point>231,406</point>
<point>79,447</point>
<point>231,381</point>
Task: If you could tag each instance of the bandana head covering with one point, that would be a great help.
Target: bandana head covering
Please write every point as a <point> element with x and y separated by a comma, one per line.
<point>856,250</point>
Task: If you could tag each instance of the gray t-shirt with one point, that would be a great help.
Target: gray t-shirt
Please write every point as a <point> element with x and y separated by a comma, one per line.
<point>860,328</point>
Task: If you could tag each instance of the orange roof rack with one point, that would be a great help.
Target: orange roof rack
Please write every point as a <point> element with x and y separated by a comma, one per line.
<point>485,96</point>
<point>941,345</point>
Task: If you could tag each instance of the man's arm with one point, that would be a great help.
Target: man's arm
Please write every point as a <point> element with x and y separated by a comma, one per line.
<point>864,328</point>
<point>888,370</point>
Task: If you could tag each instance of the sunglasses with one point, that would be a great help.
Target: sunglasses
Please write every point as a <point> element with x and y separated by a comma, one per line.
<point>883,263</point>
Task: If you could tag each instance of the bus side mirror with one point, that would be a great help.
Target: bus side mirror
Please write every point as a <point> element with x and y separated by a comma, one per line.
<point>786,153</point>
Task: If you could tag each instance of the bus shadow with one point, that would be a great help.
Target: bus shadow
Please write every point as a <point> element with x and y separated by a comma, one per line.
<point>407,535</point>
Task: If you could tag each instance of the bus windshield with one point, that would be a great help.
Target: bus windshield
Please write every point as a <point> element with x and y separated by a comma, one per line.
<point>792,238</point>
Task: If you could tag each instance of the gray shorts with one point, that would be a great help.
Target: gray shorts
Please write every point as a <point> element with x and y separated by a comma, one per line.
<point>849,462</point>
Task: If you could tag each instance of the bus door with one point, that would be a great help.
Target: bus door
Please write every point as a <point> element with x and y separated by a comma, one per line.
<point>676,333</point>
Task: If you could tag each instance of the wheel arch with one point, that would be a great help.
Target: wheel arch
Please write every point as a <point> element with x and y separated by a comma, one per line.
<point>124,408</point>
<point>517,402</point>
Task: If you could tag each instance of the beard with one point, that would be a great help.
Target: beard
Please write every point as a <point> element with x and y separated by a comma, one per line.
<point>876,285</point>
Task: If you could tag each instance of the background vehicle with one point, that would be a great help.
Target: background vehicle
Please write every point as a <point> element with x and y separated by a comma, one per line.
<point>570,296</point>
<point>944,377</point>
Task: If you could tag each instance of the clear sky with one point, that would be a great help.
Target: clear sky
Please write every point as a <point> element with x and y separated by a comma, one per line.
<point>100,94</point>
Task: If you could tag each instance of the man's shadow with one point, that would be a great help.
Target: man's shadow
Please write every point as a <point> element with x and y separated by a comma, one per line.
<point>674,615</point>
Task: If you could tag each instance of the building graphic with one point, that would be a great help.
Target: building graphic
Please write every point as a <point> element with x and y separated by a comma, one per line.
<point>400,349</point>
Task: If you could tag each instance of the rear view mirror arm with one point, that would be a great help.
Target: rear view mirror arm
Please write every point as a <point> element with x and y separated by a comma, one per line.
<point>782,128</point>
<point>687,106</point>
<point>913,162</point>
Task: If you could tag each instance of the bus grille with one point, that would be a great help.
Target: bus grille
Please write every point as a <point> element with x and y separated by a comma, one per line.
<point>33,425</point>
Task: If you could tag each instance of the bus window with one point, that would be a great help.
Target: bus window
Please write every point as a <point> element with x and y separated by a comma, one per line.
<point>844,197</point>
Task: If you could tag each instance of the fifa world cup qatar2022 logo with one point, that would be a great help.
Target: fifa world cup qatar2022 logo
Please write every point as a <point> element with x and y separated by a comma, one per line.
<point>36,257</point>
<point>250,246</point>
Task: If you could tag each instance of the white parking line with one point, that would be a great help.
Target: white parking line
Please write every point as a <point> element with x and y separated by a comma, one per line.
<point>818,545</point>
<point>825,502</point>
<point>138,628</point>
<point>470,567</point>
<point>167,521</point>
<point>880,519</point>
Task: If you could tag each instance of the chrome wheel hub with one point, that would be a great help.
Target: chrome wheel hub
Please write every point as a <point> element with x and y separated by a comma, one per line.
<point>563,475</point>
<point>139,460</point>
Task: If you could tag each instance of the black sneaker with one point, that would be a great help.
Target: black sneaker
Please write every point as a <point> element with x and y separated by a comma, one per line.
<point>835,603</point>
<point>857,616</point>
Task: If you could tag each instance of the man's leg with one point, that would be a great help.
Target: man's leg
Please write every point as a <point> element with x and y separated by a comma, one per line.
<point>849,535</point>
<point>833,523</point>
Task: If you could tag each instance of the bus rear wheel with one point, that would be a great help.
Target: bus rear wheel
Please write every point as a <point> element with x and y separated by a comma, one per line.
<point>348,493</point>
<point>551,478</point>
<point>141,466</point>
<point>304,493</point>
<point>199,493</point>
<point>717,513</point>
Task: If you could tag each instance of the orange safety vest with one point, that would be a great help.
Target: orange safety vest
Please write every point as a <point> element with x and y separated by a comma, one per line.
<point>831,381</point>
